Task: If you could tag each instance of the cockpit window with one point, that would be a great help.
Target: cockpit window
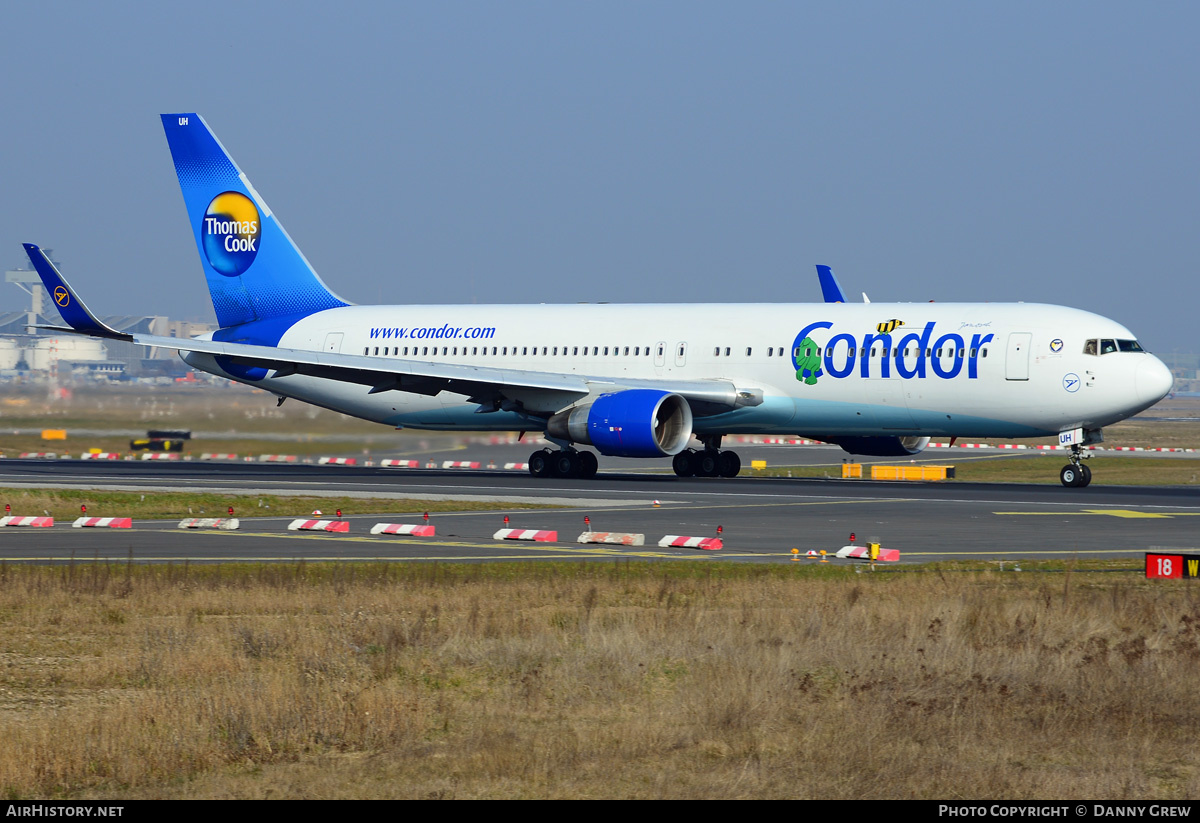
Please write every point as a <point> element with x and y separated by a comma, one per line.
<point>1110,346</point>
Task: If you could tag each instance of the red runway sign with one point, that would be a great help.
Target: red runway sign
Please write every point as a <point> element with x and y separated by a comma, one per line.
<point>1172,566</point>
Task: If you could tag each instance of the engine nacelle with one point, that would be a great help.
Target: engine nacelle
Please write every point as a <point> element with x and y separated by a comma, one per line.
<point>881,446</point>
<point>631,423</point>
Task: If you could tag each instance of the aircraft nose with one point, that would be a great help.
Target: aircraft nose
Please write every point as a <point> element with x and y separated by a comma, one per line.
<point>1153,380</point>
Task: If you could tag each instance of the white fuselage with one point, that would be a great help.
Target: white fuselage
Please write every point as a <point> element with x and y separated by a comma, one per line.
<point>945,369</point>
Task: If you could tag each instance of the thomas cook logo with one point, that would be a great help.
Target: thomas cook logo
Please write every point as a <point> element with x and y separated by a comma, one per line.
<point>230,229</point>
<point>61,296</point>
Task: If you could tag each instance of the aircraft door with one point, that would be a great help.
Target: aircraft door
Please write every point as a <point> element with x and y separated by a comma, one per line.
<point>660,354</point>
<point>680,354</point>
<point>333,342</point>
<point>1016,360</point>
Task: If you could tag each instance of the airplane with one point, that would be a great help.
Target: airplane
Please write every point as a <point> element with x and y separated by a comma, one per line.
<point>636,380</point>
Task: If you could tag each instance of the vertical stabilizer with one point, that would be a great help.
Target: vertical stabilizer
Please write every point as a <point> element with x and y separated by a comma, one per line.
<point>254,270</point>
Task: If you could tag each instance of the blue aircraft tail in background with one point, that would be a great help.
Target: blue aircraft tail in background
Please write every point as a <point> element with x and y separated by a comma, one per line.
<point>254,270</point>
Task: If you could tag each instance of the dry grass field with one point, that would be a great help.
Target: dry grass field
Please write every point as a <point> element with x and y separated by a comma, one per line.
<point>619,680</point>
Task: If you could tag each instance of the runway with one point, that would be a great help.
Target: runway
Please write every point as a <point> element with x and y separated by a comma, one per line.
<point>761,519</point>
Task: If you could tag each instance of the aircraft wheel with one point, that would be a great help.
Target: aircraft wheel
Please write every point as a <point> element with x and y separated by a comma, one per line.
<point>565,463</point>
<point>729,464</point>
<point>1085,474</point>
<point>683,464</point>
<point>706,463</point>
<point>588,465</point>
<point>539,463</point>
<point>1071,476</point>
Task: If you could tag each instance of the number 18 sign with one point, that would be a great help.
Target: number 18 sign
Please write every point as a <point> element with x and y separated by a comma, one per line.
<point>1172,566</point>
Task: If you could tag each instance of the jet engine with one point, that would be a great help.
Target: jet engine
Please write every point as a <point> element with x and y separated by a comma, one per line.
<point>631,423</point>
<point>880,446</point>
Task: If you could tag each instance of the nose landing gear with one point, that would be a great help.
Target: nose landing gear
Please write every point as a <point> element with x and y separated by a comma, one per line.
<point>1076,474</point>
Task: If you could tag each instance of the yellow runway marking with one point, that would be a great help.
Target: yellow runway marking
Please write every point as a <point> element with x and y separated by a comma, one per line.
<point>1024,553</point>
<point>1126,513</point>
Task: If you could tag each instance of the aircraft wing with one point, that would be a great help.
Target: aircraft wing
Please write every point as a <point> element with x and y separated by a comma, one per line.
<point>535,392</point>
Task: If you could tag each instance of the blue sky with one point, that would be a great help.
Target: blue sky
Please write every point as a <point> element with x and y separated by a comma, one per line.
<point>628,152</point>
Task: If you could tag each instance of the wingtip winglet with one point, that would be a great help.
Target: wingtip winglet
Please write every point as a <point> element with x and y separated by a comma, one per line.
<point>70,307</point>
<point>831,289</point>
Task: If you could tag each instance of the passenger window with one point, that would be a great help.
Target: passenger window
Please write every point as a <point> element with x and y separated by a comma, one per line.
<point>726,351</point>
<point>770,351</point>
<point>606,351</point>
<point>983,353</point>
<point>367,350</point>
<point>637,350</point>
<point>747,351</point>
<point>626,351</point>
<point>716,351</point>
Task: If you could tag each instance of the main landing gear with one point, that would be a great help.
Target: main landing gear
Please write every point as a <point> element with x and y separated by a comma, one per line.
<point>563,463</point>
<point>707,462</point>
<point>1076,474</point>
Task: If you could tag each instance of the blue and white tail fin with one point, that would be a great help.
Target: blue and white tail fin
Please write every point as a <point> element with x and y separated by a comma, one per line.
<point>254,270</point>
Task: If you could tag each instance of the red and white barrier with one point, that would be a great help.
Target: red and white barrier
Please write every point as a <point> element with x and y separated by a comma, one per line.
<point>401,464</point>
<point>40,522</point>
<point>709,544</point>
<point>100,456</point>
<point>303,525</point>
<point>338,461</point>
<point>524,467</point>
<point>460,464</point>
<point>864,553</point>
<point>212,456</point>
<point>160,456</point>
<point>620,538</point>
<point>403,528</point>
<point>226,523</point>
<point>103,523</point>
<point>526,534</point>
<point>40,454</point>
<point>277,458</point>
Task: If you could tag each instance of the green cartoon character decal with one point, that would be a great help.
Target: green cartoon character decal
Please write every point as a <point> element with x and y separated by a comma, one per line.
<point>808,362</point>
